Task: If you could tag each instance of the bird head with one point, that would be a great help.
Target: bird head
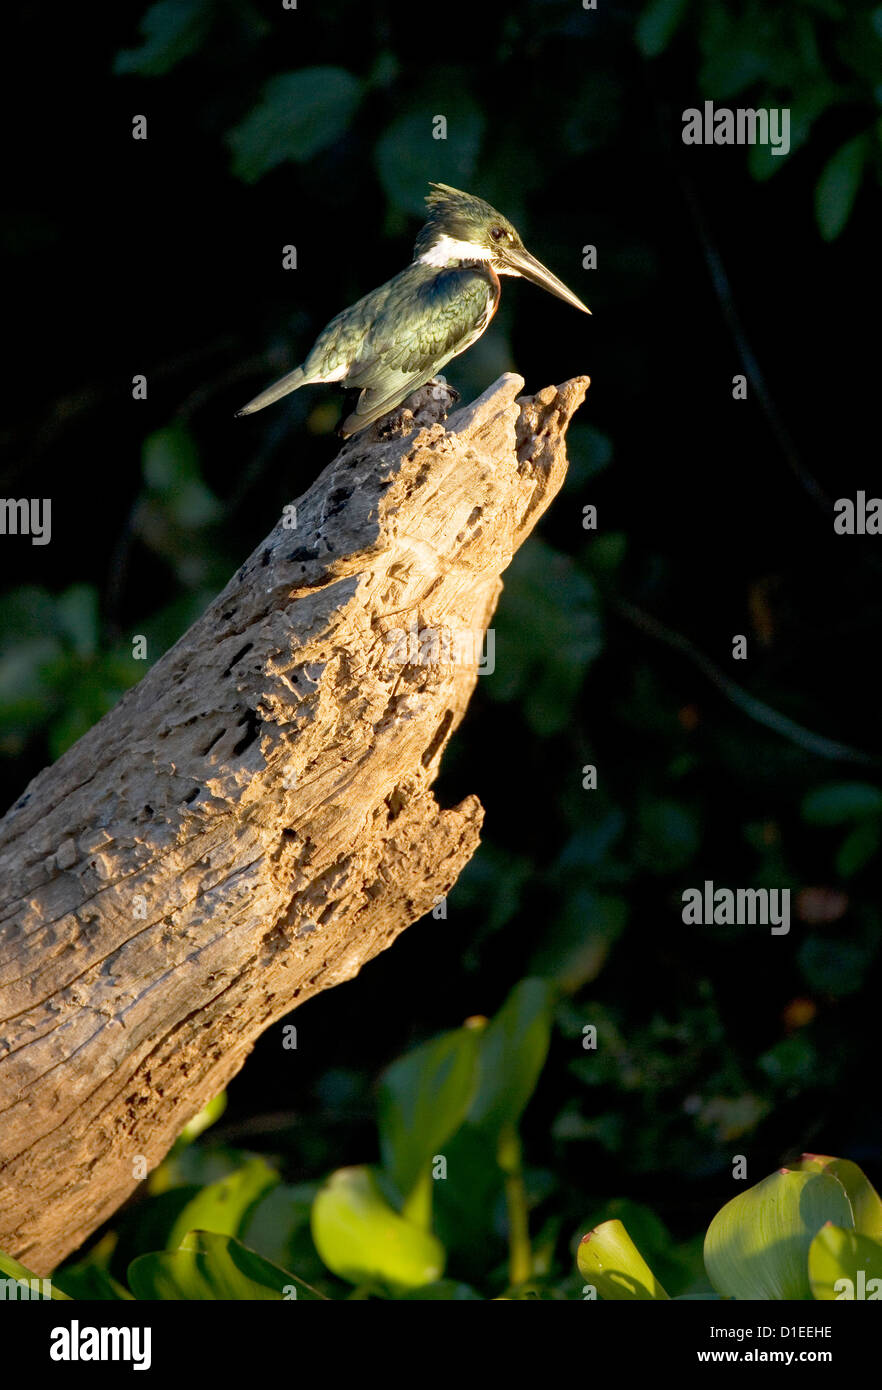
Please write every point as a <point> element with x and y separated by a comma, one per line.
<point>460,228</point>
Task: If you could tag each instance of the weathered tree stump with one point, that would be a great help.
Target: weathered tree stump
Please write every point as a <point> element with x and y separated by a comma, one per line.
<point>254,820</point>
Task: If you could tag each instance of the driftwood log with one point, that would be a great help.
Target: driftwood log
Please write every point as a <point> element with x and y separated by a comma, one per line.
<point>254,820</point>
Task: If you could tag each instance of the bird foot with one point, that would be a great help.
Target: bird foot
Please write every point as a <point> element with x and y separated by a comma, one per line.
<point>432,403</point>
<point>428,405</point>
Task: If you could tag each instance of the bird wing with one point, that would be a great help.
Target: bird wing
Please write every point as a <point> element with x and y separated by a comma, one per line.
<point>415,336</point>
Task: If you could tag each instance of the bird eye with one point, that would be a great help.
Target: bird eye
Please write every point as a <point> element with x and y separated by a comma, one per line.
<point>498,233</point>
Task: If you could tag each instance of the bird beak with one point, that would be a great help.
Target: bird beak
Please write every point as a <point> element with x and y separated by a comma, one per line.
<point>519,260</point>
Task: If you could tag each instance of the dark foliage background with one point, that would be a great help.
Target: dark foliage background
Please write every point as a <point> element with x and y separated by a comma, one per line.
<point>715,518</point>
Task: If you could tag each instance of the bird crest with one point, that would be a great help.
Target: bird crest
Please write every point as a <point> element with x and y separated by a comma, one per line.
<point>457,215</point>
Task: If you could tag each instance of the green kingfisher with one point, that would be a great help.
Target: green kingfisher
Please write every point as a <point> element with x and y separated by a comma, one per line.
<point>395,339</point>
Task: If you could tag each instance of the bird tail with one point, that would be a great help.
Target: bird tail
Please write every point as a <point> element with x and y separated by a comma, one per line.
<point>275,392</point>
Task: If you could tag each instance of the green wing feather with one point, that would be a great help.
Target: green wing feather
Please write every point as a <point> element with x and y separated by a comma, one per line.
<point>417,333</point>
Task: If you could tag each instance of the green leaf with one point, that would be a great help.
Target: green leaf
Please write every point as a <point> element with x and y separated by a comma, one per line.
<point>11,1269</point>
<point>732,65</point>
<point>209,1266</point>
<point>866,1204</point>
<point>207,1116</point>
<point>278,1229</point>
<point>170,466</point>
<point>548,632</point>
<point>512,1054</point>
<point>89,1278</point>
<point>792,1062</point>
<point>575,947</point>
<point>91,1283</point>
<point>172,30</point>
<point>838,185</point>
<point>589,452</point>
<point>757,1246</point>
<point>843,1265</point>
<point>299,114</point>
<point>657,25</point>
<point>363,1240</point>
<point>224,1206</point>
<point>668,835</point>
<point>841,802</point>
<point>424,1098</point>
<point>77,613</point>
<point>610,1261</point>
<point>467,1216</point>
<point>169,458</point>
<point>24,611</point>
<point>671,1264</point>
<point>833,966</point>
<point>858,848</point>
<point>409,157</point>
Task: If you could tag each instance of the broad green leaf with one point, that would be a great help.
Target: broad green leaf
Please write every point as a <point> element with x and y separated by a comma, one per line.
<point>193,1166</point>
<point>838,186</point>
<point>608,1258</point>
<point>841,802</point>
<point>91,1283</point>
<point>170,466</point>
<point>658,24</point>
<point>363,1240</point>
<point>590,452</point>
<point>574,948</point>
<point>728,69</point>
<point>409,156</point>
<point>207,1116</point>
<point>147,1225</point>
<point>278,1227</point>
<point>90,1278</point>
<point>548,631</point>
<point>672,1264</point>
<point>299,114</point>
<point>858,848</point>
<point>172,30</point>
<point>668,835</point>
<point>169,458</point>
<point>466,1214</point>
<point>844,1266</point>
<point>866,1204</point>
<point>835,966</point>
<point>792,1062</point>
<point>757,1246</point>
<point>30,1285</point>
<point>594,118</point>
<point>224,1206</point>
<point>424,1098</point>
<point>24,611</point>
<point>78,618</point>
<point>209,1266</point>
<point>764,160</point>
<point>511,1055</point>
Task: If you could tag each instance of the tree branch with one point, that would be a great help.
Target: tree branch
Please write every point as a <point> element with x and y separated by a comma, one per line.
<point>254,820</point>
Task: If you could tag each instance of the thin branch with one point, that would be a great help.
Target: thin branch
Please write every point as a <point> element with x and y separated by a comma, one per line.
<point>755,709</point>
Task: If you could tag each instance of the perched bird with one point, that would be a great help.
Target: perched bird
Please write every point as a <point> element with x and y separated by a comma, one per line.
<point>395,339</point>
